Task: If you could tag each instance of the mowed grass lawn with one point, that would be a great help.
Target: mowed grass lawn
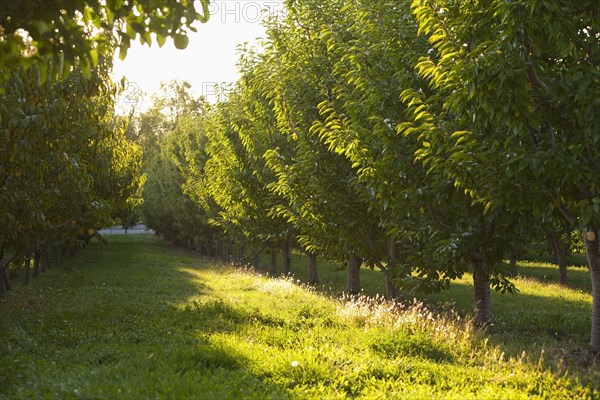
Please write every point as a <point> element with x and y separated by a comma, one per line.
<point>138,318</point>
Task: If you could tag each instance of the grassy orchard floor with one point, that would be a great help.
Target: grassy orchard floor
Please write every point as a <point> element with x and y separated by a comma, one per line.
<point>138,318</point>
<point>542,315</point>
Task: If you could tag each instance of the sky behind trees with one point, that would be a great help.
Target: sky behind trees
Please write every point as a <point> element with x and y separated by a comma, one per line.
<point>209,59</point>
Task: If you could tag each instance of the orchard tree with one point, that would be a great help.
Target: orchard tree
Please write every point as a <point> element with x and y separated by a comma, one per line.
<point>174,101</point>
<point>369,58</point>
<point>166,131</point>
<point>515,111</point>
<point>319,186</point>
<point>54,40</point>
<point>50,54</point>
<point>558,235</point>
<point>434,233</point>
<point>237,179</point>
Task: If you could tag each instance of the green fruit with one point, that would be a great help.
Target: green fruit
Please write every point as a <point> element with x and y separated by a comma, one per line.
<point>181,41</point>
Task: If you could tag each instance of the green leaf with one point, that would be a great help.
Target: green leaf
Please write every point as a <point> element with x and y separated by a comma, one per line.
<point>122,53</point>
<point>94,57</point>
<point>41,27</point>
<point>160,39</point>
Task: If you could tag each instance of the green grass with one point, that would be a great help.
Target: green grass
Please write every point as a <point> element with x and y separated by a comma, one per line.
<point>542,315</point>
<point>138,318</point>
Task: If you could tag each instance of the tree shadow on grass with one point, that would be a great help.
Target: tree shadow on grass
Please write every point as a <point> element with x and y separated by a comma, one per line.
<point>551,330</point>
<point>521,319</point>
<point>203,359</point>
<point>578,277</point>
<point>113,327</point>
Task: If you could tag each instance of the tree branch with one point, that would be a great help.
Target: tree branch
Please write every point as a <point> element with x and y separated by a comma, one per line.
<point>568,214</point>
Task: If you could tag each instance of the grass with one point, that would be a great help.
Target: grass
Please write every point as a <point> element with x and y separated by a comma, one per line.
<point>138,318</point>
<point>542,315</point>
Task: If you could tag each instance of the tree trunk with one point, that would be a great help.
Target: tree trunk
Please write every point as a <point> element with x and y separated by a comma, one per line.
<point>220,249</point>
<point>483,299</point>
<point>592,249</point>
<point>353,283</point>
<point>229,248</point>
<point>256,260</point>
<point>513,258</point>
<point>391,291</point>
<point>559,250</point>
<point>562,269</point>
<point>273,266</point>
<point>242,252</point>
<point>61,255</point>
<point>51,259</point>
<point>26,272</point>
<point>3,283</point>
<point>4,280</point>
<point>37,259</point>
<point>44,255</point>
<point>313,272</point>
<point>286,253</point>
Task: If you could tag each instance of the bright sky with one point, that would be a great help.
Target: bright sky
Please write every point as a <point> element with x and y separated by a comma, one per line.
<point>209,59</point>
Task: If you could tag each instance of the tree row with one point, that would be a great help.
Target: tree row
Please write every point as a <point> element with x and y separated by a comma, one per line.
<point>66,167</point>
<point>426,140</point>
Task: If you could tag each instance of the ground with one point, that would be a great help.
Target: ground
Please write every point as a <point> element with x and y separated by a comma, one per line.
<point>138,318</point>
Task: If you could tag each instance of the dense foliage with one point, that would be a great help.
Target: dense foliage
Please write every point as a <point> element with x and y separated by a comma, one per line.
<point>515,117</point>
<point>67,167</point>
<point>429,141</point>
<point>80,32</point>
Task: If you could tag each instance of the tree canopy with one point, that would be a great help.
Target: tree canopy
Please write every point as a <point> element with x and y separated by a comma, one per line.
<point>55,35</point>
<point>428,139</point>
